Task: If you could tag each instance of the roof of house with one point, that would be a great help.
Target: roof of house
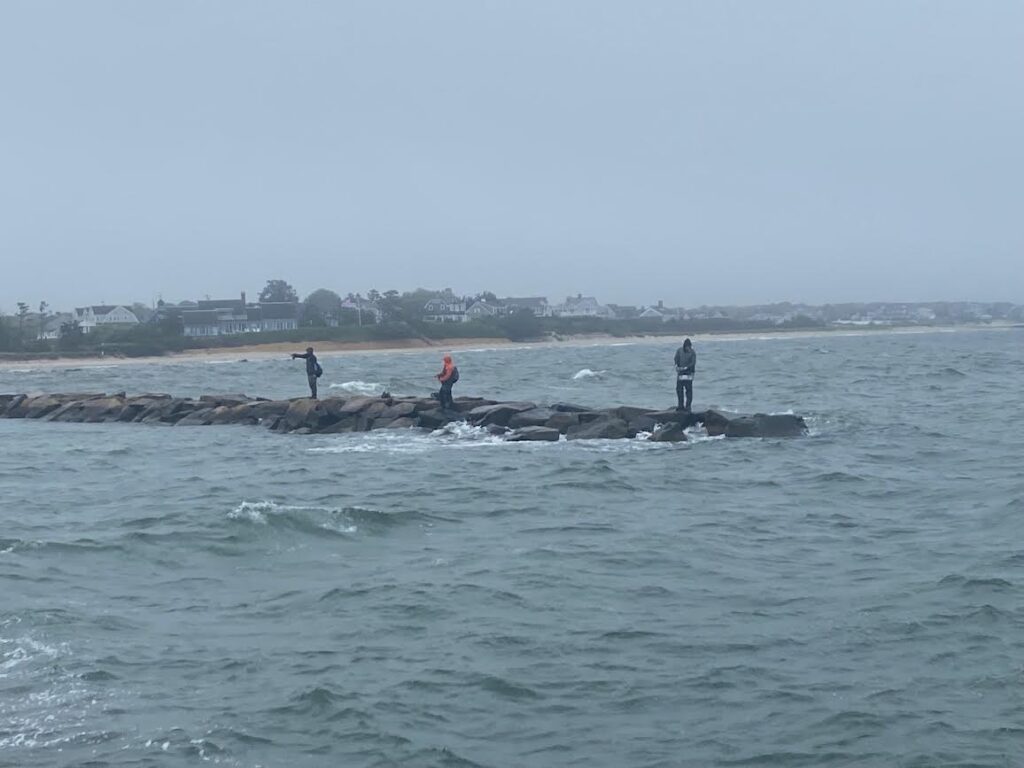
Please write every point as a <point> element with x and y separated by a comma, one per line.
<point>528,301</point>
<point>201,316</point>
<point>220,304</point>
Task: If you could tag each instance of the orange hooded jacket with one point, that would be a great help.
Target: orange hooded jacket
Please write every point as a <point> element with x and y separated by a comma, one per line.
<point>448,370</point>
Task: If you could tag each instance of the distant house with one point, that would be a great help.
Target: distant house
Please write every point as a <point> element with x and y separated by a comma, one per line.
<point>445,309</point>
<point>225,317</point>
<point>653,313</point>
<point>89,318</point>
<point>480,310</point>
<point>660,312</point>
<point>581,306</point>
<point>623,311</point>
<point>538,305</point>
<point>277,315</point>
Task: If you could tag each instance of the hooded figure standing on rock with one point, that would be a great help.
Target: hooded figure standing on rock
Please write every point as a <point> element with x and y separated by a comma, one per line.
<point>313,369</point>
<point>686,364</point>
<point>448,376</point>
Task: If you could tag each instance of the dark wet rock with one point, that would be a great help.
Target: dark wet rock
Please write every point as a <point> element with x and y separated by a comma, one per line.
<point>535,417</point>
<point>562,421</point>
<point>36,407</point>
<point>675,416</point>
<point>467,404</point>
<point>532,434</point>
<point>499,414</point>
<point>606,428</point>
<point>758,425</point>
<point>398,410</point>
<point>14,409</point>
<point>670,433</point>
<point>568,408</point>
<point>200,417</point>
<point>436,418</point>
<point>215,401</point>
<point>629,412</point>
<point>515,421</point>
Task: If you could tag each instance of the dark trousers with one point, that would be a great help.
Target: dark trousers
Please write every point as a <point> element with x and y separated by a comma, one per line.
<point>312,385</point>
<point>445,395</point>
<point>684,388</point>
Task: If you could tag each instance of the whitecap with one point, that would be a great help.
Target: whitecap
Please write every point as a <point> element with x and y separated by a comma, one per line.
<point>368,388</point>
<point>586,373</point>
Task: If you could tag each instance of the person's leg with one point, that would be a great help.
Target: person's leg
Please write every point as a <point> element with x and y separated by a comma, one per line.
<point>689,395</point>
<point>312,385</point>
<point>446,395</point>
<point>679,394</point>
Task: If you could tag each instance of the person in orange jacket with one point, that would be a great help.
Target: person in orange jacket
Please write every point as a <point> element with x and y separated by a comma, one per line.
<point>448,376</point>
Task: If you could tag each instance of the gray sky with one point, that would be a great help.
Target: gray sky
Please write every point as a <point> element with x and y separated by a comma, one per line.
<point>711,152</point>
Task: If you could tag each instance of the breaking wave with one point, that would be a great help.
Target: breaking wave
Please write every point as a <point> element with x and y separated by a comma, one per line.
<point>368,388</point>
<point>587,373</point>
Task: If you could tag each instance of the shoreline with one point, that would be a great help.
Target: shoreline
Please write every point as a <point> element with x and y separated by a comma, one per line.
<point>275,350</point>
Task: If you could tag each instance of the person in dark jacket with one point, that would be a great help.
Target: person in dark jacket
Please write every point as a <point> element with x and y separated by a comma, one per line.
<point>313,369</point>
<point>448,376</point>
<point>686,364</point>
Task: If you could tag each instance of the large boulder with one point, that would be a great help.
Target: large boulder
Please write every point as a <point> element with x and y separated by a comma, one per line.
<point>562,421</point>
<point>758,425</point>
<point>467,404</point>
<point>37,407</point>
<point>215,401</point>
<point>14,408</point>
<point>676,416</point>
<point>567,408</point>
<point>200,417</point>
<point>670,433</point>
<point>307,413</point>
<point>398,410</point>
<point>534,434</point>
<point>630,412</point>
<point>434,419</point>
<point>535,417</point>
<point>102,409</point>
<point>607,428</point>
<point>499,414</point>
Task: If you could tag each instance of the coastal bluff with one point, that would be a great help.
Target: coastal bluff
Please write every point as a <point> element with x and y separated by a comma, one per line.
<point>515,421</point>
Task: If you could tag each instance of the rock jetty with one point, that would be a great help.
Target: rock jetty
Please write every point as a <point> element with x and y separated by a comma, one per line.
<point>516,421</point>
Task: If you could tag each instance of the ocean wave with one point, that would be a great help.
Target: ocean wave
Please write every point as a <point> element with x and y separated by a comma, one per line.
<point>300,518</point>
<point>587,373</point>
<point>367,388</point>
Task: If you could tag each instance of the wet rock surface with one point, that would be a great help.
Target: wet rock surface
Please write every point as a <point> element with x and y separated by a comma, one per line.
<point>517,421</point>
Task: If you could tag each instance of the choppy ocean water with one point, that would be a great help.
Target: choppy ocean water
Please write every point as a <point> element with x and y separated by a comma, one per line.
<point>223,595</point>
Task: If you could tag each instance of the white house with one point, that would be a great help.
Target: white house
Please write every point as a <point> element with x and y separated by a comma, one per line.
<point>538,305</point>
<point>581,306</point>
<point>480,310</point>
<point>445,309</point>
<point>90,317</point>
<point>224,317</point>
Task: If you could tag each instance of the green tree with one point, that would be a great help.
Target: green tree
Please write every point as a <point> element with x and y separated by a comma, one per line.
<point>521,325</point>
<point>70,335</point>
<point>22,314</point>
<point>321,307</point>
<point>278,290</point>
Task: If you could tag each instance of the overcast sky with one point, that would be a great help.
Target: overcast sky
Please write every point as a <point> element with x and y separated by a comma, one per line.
<point>695,152</point>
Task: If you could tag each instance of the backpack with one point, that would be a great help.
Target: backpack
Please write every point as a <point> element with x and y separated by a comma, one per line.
<point>319,371</point>
<point>455,375</point>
